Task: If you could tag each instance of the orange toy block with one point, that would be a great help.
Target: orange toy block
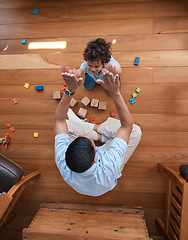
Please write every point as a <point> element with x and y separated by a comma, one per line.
<point>62,88</point>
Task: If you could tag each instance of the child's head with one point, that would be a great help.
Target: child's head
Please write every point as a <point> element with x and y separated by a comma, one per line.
<point>97,53</point>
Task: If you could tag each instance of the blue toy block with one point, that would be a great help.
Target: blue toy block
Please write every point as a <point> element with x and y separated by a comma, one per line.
<point>136,62</point>
<point>35,11</point>
<point>23,41</point>
<point>38,88</point>
<point>132,100</point>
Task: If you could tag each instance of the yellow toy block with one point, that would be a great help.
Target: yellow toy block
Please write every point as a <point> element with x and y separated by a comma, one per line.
<point>36,134</point>
<point>26,85</point>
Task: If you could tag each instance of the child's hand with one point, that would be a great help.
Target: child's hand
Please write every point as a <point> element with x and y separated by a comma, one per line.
<point>64,68</point>
<point>110,68</point>
<point>73,71</point>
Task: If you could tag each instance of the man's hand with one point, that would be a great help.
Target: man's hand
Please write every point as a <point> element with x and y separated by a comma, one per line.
<point>71,81</point>
<point>110,83</point>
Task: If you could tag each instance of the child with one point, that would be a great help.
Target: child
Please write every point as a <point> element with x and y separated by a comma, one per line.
<point>97,59</point>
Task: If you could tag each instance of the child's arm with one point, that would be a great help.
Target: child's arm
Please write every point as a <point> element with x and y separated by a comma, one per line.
<point>113,69</point>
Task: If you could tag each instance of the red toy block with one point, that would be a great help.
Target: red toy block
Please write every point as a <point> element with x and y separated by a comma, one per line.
<point>92,119</point>
<point>15,101</point>
<point>64,84</point>
<point>112,114</point>
<point>11,129</point>
<point>7,125</point>
<point>94,122</point>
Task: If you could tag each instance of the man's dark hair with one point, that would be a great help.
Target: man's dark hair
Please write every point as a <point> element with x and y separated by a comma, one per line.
<point>97,50</point>
<point>80,155</point>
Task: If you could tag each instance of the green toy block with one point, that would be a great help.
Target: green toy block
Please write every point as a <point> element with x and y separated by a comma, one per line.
<point>138,90</point>
<point>134,95</point>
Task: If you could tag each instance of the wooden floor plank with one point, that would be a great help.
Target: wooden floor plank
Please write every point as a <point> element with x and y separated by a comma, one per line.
<point>131,42</point>
<point>84,28</point>
<point>170,75</point>
<point>171,25</point>
<point>54,60</point>
<point>147,122</point>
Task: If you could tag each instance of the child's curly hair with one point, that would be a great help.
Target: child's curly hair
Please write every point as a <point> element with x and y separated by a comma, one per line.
<point>97,50</point>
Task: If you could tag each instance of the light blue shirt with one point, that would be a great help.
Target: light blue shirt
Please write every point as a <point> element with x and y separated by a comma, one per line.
<point>102,176</point>
<point>99,75</point>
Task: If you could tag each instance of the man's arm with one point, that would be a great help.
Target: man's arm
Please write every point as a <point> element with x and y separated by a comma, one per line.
<point>61,111</point>
<point>112,86</point>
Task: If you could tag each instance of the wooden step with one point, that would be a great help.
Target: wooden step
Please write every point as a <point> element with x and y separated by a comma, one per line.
<point>56,221</point>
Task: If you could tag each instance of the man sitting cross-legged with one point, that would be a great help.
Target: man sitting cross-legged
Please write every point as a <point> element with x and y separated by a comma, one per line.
<point>88,169</point>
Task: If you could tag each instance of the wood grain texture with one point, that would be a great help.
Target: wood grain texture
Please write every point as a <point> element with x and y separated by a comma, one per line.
<point>155,31</point>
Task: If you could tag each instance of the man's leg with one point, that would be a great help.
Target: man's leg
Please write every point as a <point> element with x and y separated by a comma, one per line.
<point>109,129</point>
<point>89,82</point>
<point>77,129</point>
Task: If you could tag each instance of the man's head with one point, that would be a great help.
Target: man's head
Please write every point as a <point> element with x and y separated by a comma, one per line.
<point>97,53</point>
<point>80,154</point>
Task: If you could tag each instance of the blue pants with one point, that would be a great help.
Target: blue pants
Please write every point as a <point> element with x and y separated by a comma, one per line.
<point>90,83</point>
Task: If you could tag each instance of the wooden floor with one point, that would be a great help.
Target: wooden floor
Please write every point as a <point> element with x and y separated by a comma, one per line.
<point>155,31</point>
<point>80,221</point>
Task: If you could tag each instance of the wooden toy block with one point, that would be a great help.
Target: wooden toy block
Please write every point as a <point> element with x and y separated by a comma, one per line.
<point>23,41</point>
<point>57,95</point>
<point>26,85</point>
<point>138,90</point>
<point>136,62</point>
<point>134,95</point>
<point>102,106</point>
<point>94,103</point>
<point>73,102</point>
<point>38,88</point>
<point>36,134</point>
<point>82,112</point>
<point>112,114</point>
<point>85,101</point>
